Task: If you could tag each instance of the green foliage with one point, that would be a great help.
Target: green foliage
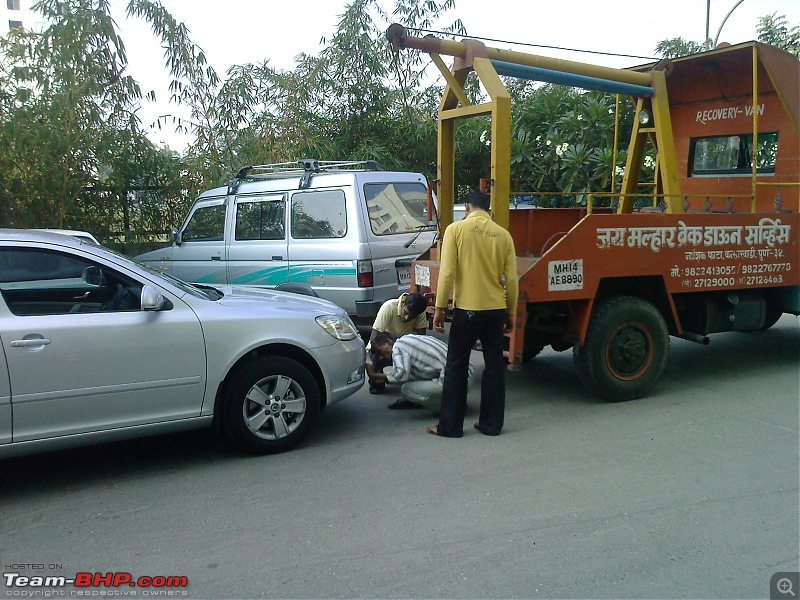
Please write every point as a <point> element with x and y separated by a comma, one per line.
<point>774,30</point>
<point>562,141</point>
<point>72,152</point>
<point>771,29</point>
<point>70,144</point>
<point>677,47</point>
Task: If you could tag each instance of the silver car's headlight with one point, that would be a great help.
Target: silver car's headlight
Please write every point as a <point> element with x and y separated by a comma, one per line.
<point>340,328</point>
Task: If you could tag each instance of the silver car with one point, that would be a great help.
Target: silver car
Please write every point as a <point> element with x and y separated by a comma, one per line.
<point>96,347</point>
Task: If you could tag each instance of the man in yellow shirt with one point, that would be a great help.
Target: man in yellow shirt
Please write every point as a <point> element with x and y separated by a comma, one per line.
<point>478,264</point>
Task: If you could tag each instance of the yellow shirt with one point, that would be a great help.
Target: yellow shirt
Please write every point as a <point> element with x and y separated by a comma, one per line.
<point>389,318</point>
<point>478,259</point>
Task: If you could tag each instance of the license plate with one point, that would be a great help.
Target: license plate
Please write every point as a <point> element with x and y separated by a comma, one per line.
<point>404,276</point>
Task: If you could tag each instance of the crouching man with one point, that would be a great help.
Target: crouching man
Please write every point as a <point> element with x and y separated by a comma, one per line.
<point>417,365</point>
<point>399,316</point>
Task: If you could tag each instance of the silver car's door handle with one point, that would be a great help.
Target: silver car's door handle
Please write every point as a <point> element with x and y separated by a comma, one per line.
<point>31,343</point>
<point>216,258</point>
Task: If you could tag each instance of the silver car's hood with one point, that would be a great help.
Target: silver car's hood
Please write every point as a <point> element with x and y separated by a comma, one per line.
<point>238,295</point>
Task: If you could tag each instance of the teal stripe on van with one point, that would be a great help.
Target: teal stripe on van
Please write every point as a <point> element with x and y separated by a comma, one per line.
<point>303,272</point>
<point>276,275</point>
<point>270,276</point>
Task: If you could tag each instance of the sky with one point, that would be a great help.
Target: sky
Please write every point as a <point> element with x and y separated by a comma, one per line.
<point>250,31</point>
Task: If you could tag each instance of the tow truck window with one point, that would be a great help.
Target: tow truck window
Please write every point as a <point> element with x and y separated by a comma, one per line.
<point>732,154</point>
<point>396,207</point>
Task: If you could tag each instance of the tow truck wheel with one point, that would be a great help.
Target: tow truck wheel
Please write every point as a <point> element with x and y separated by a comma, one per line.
<point>625,349</point>
<point>772,317</point>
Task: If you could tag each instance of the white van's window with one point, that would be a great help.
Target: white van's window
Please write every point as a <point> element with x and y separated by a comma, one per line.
<point>207,224</point>
<point>260,220</point>
<point>396,207</point>
<point>732,154</point>
<point>319,215</point>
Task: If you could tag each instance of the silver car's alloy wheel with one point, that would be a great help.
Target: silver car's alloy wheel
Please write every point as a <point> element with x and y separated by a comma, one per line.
<point>269,404</point>
<point>274,407</point>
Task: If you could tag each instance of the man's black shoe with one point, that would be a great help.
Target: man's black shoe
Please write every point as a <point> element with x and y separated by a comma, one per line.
<point>403,403</point>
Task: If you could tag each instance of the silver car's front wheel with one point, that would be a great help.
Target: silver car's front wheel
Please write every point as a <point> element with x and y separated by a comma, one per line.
<point>270,404</point>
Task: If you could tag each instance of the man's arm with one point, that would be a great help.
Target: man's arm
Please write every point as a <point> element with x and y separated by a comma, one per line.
<point>421,324</point>
<point>401,366</point>
<point>375,376</point>
<point>372,335</point>
<point>447,276</point>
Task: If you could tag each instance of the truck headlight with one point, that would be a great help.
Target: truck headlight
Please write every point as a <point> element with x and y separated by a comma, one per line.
<point>340,328</point>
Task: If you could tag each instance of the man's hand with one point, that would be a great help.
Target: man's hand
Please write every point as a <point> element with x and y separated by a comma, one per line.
<point>438,319</point>
<point>508,326</point>
<point>378,378</point>
<point>374,376</point>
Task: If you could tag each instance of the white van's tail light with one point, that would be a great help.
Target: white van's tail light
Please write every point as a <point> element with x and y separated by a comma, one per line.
<point>364,273</point>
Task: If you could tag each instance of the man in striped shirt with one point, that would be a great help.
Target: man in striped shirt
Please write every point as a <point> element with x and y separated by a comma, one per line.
<point>417,364</point>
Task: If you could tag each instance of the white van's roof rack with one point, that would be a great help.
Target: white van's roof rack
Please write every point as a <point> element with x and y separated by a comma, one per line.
<point>303,168</point>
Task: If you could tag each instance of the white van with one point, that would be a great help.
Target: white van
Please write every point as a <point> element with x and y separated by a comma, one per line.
<point>347,231</point>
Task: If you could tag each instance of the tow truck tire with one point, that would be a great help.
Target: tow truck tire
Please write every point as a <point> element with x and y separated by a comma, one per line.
<point>772,317</point>
<point>625,349</point>
<point>270,405</point>
<point>531,348</point>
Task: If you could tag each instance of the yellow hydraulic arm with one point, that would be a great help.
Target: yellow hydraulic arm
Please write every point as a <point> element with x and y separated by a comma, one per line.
<point>653,120</point>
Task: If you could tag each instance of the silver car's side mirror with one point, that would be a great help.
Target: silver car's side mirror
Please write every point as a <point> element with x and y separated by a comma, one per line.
<point>176,237</point>
<point>92,276</point>
<point>152,299</point>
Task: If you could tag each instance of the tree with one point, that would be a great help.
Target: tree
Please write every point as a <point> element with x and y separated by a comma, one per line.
<point>69,126</point>
<point>774,30</point>
<point>771,29</point>
<point>677,47</point>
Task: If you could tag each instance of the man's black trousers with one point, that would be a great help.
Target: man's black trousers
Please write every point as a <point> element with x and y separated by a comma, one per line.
<point>467,327</point>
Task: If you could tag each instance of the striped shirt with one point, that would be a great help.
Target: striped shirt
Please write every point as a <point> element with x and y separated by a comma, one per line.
<point>418,357</point>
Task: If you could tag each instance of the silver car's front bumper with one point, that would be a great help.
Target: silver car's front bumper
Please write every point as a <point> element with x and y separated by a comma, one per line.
<point>343,366</point>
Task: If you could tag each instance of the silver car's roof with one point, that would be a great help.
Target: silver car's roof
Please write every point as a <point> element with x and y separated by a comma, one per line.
<point>39,235</point>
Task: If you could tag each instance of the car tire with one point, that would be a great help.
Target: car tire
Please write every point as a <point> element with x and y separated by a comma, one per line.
<point>270,404</point>
<point>625,349</point>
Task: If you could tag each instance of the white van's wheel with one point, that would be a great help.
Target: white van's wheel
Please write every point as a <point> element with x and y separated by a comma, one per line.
<point>270,404</point>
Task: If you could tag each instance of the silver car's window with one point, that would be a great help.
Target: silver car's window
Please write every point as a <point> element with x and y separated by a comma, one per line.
<point>45,282</point>
<point>207,224</point>
<point>396,207</point>
<point>319,214</point>
<point>260,219</point>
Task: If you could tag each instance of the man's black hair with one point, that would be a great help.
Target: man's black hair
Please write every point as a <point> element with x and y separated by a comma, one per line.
<point>382,338</point>
<point>416,303</point>
<point>478,199</point>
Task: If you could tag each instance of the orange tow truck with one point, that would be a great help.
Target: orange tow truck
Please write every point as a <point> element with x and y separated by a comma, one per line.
<point>716,247</point>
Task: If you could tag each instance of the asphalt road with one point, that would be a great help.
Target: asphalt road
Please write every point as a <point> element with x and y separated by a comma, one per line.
<point>691,492</point>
